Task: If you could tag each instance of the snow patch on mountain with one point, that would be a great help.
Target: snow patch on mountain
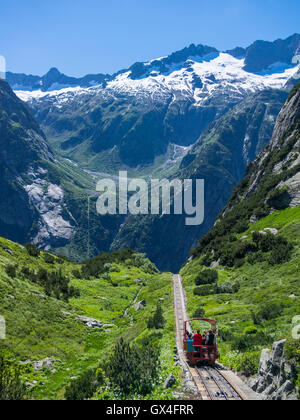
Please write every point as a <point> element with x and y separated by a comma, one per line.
<point>196,80</point>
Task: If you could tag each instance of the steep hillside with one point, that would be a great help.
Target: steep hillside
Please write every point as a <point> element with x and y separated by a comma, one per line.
<point>255,248</point>
<point>63,318</point>
<point>220,157</point>
<point>45,199</point>
<point>23,147</point>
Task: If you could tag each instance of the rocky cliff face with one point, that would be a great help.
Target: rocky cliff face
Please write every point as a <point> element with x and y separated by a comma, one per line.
<point>44,199</point>
<point>276,376</point>
<point>31,206</point>
<point>23,145</point>
<point>262,54</point>
<point>280,161</point>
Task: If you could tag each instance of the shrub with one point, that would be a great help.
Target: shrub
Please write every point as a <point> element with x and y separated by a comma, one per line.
<point>48,258</point>
<point>11,270</point>
<point>199,313</point>
<point>248,342</point>
<point>25,271</point>
<point>241,226</point>
<point>149,267</point>
<point>227,258</point>
<point>249,364</point>
<point>256,258</point>
<point>96,266</point>
<point>236,287</point>
<point>132,370</point>
<point>42,276</point>
<point>77,274</point>
<point>157,321</point>
<point>54,282</point>
<point>225,287</point>
<point>207,277</point>
<point>250,330</point>
<point>239,262</point>
<point>281,253</point>
<point>107,267</point>
<point>243,343</point>
<point>11,386</point>
<point>292,350</point>
<point>269,311</point>
<point>280,248</point>
<point>141,261</point>
<point>115,269</point>
<point>205,290</point>
<point>277,198</point>
<point>32,250</point>
<point>225,334</point>
<point>234,254</point>
<point>84,387</point>
<point>255,318</point>
<point>264,242</point>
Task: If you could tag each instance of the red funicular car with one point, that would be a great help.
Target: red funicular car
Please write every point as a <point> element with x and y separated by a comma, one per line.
<point>196,353</point>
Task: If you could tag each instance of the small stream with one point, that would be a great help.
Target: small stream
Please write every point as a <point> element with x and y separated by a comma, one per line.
<point>133,303</point>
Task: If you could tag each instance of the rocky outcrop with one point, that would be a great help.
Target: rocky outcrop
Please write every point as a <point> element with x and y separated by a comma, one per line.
<point>48,199</point>
<point>139,305</point>
<point>188,384</point>
<point>46,363</point>
<point>90,322</point>
<point>170,381</point>
<point>275,379</point>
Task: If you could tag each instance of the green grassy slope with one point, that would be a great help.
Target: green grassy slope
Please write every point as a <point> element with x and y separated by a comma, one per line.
<point>39,326</point>
<point>259,283</point>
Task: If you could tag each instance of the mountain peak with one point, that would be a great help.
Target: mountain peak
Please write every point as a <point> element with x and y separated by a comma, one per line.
<point>162,65</point>
<point>262,54</point>
<point>53,72</point>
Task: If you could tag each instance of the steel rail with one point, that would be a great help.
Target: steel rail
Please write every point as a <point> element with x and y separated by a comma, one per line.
<point>236,395</point>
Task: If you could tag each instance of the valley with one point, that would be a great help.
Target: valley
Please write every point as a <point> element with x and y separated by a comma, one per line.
<point>87,299</point>
<point>196,113</point>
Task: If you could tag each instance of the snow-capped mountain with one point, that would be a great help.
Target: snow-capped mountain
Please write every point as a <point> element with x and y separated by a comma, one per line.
<point>138,113</point>
<point>259,57</point>
<point>53,80</point>
<point>197,79</point>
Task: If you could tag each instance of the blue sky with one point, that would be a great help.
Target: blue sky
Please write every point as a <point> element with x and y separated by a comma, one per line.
<point>97,36</point>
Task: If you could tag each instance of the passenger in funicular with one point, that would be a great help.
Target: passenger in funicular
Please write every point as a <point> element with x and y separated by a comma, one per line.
<point>197,341</point>
<point>210,341</point>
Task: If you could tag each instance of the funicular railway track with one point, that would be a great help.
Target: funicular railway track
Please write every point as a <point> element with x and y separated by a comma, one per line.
<point>217,387</point>
<point>210,381</point>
